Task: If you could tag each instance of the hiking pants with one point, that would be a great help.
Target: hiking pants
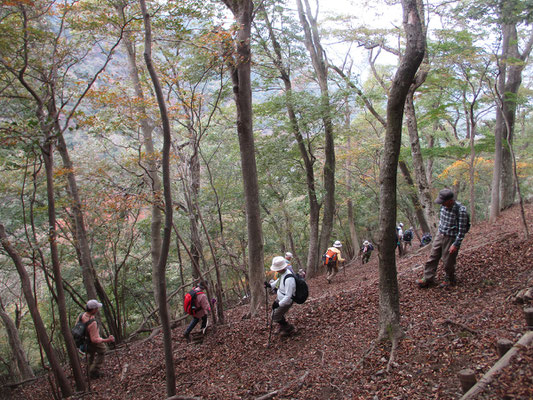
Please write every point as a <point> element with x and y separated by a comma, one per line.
<point>366,257</point>
<point>194,322</point>
<point>440,250</point>
<point>332,271</point>
<point>96,353</point>
<point>279,314</point>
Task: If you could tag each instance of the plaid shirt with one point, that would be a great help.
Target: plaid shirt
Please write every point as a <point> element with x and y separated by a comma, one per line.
<point>453,222</point>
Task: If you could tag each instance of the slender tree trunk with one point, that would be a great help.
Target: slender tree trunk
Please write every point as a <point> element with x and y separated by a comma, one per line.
<point>165,245</point>
<point>420,216</point>
<point>47,151</point>
<point>21,360</point>
<point>151,170</point>
<point>312,43</point>
<point>307,156</point>
<point>389,305</point>
<point>42,335</point>
<point>242,89</point>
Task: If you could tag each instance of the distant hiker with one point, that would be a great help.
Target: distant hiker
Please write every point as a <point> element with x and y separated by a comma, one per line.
<point>288,261</point>
<point>399,228</point>
<point>331,259</point>
<point>454,223</point>
<point>425,239</point>
<point>407,238</point>
<point>197,306</point>
<point>399,242</point>
<point>366,251</point>
<point>285,290</point>
<point>96,348</point>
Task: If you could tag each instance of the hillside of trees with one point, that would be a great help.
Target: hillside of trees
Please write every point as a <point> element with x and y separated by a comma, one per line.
<point>146,146</point>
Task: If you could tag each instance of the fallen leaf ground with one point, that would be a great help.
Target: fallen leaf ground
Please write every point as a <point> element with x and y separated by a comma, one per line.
<point>334,353</point>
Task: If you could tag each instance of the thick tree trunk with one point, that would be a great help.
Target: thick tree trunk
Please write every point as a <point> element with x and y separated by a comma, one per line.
<point>165,245</point>
<point>22,364</point>
<point>42,335</point>
<point>242,89</point>
<point>389,305</point>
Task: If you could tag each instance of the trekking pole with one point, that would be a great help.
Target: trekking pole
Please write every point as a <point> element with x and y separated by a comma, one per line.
<point>271,323</point>
<point>266,305</point>
<point>87,370</point>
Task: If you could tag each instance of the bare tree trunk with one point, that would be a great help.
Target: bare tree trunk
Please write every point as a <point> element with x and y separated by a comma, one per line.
<point>420,216</point>
<point>47,151</point>
<point>42,335</point>
<point>17,350</point>
<point>389,305</point>
<point>312,43</point>
<point>165,245</point>
<point>151,170</point>
<point>242,89</point>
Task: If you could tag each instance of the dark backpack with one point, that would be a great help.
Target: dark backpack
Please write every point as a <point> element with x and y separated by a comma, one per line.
<point>189,302</point>
<point>467,218</point>
<point>329,258</point>
<point>302,291</point>
<point>79,332</point>
<point>370,247</point>
<point>408,235</point>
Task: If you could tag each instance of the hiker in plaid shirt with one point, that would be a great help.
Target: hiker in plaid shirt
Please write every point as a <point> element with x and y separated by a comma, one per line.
<point>453,225</point>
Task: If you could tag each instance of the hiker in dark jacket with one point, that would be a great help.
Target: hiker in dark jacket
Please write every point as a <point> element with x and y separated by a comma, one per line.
<point>285,290</point>
<point>201,310</point>
<point>407,238</point>
<point>96,348</point>
<point>366,251</point>
<point>453,225</point>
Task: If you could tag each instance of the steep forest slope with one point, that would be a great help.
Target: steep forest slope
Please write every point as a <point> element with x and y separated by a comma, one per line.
<point>334,354</point>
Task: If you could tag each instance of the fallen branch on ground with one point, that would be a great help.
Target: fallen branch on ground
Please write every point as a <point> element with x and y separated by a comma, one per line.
<point>462,326</point>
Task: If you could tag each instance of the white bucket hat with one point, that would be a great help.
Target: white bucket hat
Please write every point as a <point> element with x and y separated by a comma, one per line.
<point>337,244</point>
<point>92,304</point>
<point>278,264</point>
<point>366,243</point>
<point>288,254</point>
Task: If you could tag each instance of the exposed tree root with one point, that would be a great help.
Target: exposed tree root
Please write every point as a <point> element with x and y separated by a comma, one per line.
<point>300,382</point>
<point>362,359</point>
<point>462,326</point>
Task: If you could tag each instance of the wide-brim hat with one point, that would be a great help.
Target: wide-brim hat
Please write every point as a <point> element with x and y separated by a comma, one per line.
<point>337,244</point>
<point>444,195</point>
<point>278,264</point>
<point>366,243</point>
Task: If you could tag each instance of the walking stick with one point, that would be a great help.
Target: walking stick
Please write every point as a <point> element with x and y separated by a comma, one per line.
<point>266,305</point>
<point>271,323</point>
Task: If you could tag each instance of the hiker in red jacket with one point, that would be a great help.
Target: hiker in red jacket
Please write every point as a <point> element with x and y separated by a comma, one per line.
<point>201,309</point>
<point>96,348</point>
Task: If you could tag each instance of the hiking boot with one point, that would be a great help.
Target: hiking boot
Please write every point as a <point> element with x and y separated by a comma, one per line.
<point>448,282</point>
<point>425,283</point>
<point>286,330</point>
<point>187,337</point>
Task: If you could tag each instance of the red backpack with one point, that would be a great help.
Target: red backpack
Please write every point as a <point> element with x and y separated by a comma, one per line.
<point>189,302</point>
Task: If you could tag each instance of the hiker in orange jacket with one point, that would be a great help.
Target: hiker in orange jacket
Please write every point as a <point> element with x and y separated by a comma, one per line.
<point>333,269</point>
<point>202,308</point>
<point>96,348</point>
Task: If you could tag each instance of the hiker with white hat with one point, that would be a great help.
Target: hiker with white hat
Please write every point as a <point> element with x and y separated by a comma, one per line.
<point>332,258</point>
<point>288,261</point>
<point>366,251</point>
<point>285,290</point>
<point>96,348</point>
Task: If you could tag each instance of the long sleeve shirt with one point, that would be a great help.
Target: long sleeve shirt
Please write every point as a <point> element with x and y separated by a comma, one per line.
<point>202,305</point>
<point>286,288</point>
<point>453,222</point>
